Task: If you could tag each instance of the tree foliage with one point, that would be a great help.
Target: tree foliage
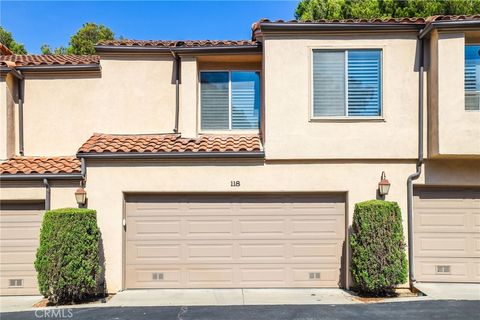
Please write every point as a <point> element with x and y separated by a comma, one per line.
<point>368,9</point>
<point>7,39</point>
<point>83,41</point>
<point>46,49</point>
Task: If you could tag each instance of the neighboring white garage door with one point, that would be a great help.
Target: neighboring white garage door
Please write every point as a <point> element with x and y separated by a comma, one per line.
<point>219,241</point>
<point>19,236</point>
<point>447,235</point>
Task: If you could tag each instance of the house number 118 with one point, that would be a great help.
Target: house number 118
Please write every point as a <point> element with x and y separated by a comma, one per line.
<point>234,183</point>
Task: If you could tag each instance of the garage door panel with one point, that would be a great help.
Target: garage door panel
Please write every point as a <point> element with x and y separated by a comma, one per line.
<point>446,221</point>
<point>318,228</point>
<point>457,269</point>
<point>447,234</point>
<point>147,228</point>
<point>258,251</point>
<point>236,228</point>
<point>246,275</point>
<point>19,238</point>
<point>27,276</point>
<point>234,241</point>
<point>450,245</point>
<point>14,258</point>
<point>209,228</point>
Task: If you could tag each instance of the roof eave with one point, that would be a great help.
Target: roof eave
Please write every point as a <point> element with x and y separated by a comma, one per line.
<point>299,26</point>
<point>464,24</point>
<point>37,176</point>
<point>213,50</point>
<point>4,71</point>
<point>61,68</point>
<point>171,155</point>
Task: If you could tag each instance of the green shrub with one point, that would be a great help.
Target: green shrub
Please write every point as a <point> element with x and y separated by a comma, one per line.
<point>68,260</point>
<point>378,261</point>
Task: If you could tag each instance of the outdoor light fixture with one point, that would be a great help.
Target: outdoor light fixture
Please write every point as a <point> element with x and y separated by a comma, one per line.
<point>383,185</point>
<point>81,196</point>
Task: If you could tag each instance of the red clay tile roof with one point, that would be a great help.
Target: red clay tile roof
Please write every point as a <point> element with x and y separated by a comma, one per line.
<point>4,49</point>
<point>165,143</point>
<point>178,43</point>
<point>48,60</point>
<point>397,21</point>
<point>351,21</point>
<point>40,165</point>
<point>453,18</point>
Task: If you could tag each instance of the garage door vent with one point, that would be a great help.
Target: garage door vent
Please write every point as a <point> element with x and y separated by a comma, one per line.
<point>443,269</point>
<point>314,275</point>
<point>157,276</point>
<point>16,283</point>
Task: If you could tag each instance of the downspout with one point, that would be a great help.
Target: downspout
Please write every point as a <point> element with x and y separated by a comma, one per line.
<point>83,172</point>
<point>177,89</point>
<point>21,147</point>
<point>83,168</point>
<point>418,172</point>
<point>47,194</point>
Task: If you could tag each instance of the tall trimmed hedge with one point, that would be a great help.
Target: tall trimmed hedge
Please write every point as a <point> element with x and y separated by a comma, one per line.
<point>379,262</point>
<point>68,258</point>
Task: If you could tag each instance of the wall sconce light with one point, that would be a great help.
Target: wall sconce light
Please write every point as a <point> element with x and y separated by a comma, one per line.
<point>383,185</point>
<point>81,196</point>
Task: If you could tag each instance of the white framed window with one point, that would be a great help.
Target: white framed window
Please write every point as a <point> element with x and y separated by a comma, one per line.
<point>346,83</point>
<point>472,77</point>
<point>229,100</point>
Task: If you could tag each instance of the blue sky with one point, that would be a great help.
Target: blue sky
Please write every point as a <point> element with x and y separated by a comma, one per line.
<point>53,22</point>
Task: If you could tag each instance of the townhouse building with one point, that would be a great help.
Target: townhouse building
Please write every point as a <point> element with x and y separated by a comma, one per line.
<point>237,164</point>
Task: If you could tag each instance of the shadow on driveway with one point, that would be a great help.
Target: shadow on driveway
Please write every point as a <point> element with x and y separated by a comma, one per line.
<point>421,310</point>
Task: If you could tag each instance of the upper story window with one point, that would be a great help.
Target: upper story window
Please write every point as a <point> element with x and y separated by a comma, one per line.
<point>230,100</point>
<point>347,83</point>
<point>472,77</point>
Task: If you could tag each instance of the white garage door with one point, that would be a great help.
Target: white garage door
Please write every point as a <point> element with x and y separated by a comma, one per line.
<point>447,234</point>
<point>19,237</point>
<point>217,241</point>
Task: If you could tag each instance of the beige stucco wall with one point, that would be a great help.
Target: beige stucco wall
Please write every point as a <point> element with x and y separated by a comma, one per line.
<point>8,116</point>
<point>107,184</point>
<point>455,131</point>
<point>62,192</point>
<point>132,95</point>
<point>288,96</point>
<point>188,98</point>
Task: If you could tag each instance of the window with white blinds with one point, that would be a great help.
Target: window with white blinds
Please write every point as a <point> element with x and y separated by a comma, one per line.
<point>472,77</point>
<point>230,100</point>
<point>347,83</point>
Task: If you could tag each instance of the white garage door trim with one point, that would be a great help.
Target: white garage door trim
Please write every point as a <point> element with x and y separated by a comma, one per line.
<point>233,282</point>
<point>447,234</point>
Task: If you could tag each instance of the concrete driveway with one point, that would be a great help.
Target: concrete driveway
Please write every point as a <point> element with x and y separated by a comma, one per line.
<point>17,303</point>
<point>450,291</point>
<point>416,310</point>
<point>224,297</point>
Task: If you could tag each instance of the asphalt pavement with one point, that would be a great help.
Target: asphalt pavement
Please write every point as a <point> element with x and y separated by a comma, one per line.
<point>421,310</point>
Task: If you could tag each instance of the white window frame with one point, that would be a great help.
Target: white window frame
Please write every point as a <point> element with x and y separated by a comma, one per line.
<point>465,91</point>
<point>347,118</point>
<point>229,130</point>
